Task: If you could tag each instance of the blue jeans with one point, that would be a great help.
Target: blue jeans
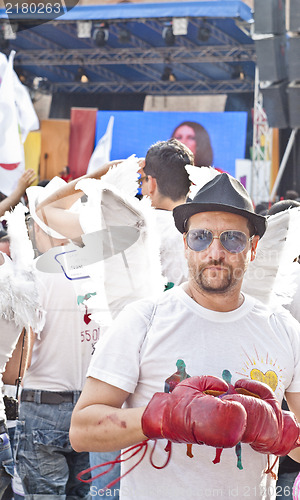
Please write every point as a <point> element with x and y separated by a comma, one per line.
<point>45,460</point>
<point>284,485</point>
<point>98,484</point>
<point>6,463</point>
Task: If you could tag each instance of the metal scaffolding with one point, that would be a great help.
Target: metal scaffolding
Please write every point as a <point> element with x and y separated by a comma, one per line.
<point>261,148</point>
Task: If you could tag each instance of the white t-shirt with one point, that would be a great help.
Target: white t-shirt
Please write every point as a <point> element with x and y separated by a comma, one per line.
<point>173,262</point>
<point>62,352</point>
<point>140,352</point>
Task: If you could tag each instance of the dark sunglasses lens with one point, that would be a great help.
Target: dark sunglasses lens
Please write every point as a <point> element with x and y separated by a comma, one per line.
<point>234,241</point>
<point>199,239</point>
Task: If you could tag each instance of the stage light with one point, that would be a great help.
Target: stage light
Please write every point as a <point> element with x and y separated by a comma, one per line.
<point>204,32</point>
<point>124,35</point>
<point>40,83</point>
<point>100,35</point>
<point>81,76</point>
<point>168,35</point>
<point>238,72</point>
<point>168,75</point>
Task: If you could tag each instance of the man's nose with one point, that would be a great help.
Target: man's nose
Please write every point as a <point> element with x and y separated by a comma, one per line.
<point>216,249</point>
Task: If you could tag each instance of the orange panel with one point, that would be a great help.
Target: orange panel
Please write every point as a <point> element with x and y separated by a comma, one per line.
<point>55,147</point>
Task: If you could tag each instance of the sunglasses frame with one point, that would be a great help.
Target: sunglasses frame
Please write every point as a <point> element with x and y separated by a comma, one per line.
<point>141,179</point>
<point>218,238</point>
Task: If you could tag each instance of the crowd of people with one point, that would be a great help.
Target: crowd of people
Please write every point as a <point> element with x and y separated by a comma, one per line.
<point>140,337</point>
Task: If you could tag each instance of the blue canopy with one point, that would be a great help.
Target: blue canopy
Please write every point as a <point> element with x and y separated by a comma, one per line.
<point>136,48</point>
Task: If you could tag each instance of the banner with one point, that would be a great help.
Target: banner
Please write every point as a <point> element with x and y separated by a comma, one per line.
<point>82,139</point>
<point>27,117</point>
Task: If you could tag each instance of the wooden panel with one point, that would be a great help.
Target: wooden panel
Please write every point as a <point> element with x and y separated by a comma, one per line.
<point>55,147</point>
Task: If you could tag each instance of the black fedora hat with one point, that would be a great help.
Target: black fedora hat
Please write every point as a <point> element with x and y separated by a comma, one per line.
<point>223,193</point>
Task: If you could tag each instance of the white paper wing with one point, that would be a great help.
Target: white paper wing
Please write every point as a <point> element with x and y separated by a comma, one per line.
<point>128,266</point>
<point>124,176</point>
<point>271,277</point>
<point>199,176</point>
<point>21,279</point>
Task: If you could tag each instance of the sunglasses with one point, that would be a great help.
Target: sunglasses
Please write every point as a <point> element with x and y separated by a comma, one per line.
<point>233,241</point>
<point>141,179</point>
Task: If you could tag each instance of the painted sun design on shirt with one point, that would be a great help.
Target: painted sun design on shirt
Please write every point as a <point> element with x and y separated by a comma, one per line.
<point>263,369</point>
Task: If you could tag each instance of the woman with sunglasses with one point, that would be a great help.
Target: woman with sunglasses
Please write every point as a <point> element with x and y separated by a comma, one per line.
<point>216,331</point>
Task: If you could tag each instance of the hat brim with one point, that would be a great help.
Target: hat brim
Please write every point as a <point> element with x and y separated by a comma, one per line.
<point>182,213</point>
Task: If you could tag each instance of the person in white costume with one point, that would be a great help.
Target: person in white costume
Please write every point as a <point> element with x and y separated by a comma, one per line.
<point>112,230</point>
<point>19,310</point>
<point>45,461</point>
<point>215,330</point>
<point>165,180</point>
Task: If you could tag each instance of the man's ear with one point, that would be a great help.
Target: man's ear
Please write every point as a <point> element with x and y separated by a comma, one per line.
<point>152,184</point>
<point>254,243</point>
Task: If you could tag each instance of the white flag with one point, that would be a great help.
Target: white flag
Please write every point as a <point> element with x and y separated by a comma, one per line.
<point>101,152</point>
<point>11,149</point>
<point>10,144</point>
<point>27,117</point>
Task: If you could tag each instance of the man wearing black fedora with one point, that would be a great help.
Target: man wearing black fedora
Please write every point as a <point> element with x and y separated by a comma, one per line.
<point>222,335</point>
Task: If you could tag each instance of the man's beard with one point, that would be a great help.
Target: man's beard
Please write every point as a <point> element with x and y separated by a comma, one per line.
<point>206,278</point>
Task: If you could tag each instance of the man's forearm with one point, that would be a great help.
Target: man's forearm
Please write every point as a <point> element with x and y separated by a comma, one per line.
<point>105,428</point>
<point>66,196</point>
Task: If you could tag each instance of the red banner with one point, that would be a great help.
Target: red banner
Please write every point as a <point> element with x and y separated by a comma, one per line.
<point>82,139</point>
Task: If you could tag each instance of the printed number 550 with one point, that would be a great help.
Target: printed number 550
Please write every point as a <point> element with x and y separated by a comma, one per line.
<point>88,335</point>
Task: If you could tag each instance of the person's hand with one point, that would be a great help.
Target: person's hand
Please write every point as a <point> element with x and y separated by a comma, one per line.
<point>26,179</point>
<point>193,414</point>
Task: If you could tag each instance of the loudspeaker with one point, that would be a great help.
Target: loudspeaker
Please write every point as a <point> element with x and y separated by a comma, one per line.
<point>294,16</point>
<point>275,103</point>
<point>269,17</point>
<point>294,104</point>
<point>293,59</point>
<point>270,53</point>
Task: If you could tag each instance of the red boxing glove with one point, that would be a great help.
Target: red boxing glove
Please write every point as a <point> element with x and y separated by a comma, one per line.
<point>269,429</point>
<point>191,414</point>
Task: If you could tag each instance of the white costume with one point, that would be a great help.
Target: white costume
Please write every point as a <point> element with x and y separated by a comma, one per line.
<point>62,352</point>
<point>173,262</point>
<point>140,352</point>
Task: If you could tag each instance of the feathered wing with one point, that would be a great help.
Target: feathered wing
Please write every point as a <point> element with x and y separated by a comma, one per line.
<point>199,176</point>
<point>20,285</point>
<point>271,277</point>
<point>129,267</point>
<point>124,176</point>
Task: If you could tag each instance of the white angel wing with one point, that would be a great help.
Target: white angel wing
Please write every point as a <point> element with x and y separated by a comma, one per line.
<point>199,176</point>
<point>124,176</point>
<point>272,277</point>
<point>24,301</point>
<point>128,267</point>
